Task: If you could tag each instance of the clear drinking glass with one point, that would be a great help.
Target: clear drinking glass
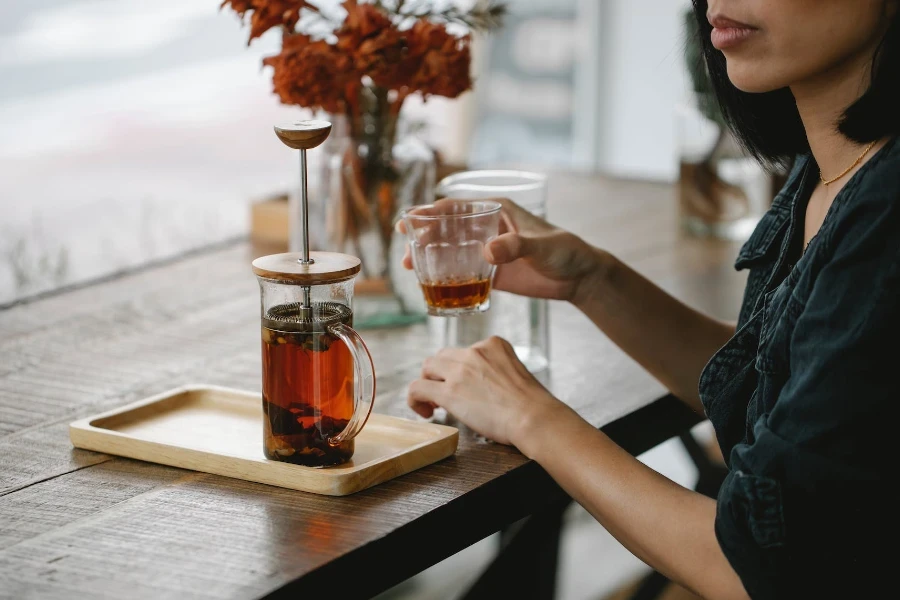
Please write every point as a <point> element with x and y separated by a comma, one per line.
<point>446,241</point>
<point>524,322</point>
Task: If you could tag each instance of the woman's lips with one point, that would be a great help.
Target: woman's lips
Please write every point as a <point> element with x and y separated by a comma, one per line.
<point>728,33</point>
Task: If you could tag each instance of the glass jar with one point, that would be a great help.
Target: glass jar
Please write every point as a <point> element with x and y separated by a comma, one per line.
<point>318,378</point>
<point>522,321</point>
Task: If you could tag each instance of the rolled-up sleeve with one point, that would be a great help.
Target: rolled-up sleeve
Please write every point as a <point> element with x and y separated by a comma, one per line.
<point>805,511</point>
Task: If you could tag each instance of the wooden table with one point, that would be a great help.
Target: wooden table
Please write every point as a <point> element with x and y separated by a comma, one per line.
<point>80,524</point>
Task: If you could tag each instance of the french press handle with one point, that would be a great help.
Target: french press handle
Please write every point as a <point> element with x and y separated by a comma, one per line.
<point>364,376</point>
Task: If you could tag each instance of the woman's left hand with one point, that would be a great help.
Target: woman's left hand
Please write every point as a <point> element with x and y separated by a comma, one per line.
<point>486,387</point>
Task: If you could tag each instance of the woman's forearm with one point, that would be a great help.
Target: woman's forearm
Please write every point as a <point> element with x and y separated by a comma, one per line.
<point>665,336</point>
<point>665,525</point>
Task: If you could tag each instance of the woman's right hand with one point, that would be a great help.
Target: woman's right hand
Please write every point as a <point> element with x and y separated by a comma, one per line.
<point>535,258</point>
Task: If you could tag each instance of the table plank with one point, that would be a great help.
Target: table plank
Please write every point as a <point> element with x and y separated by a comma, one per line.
<point>76,523</point>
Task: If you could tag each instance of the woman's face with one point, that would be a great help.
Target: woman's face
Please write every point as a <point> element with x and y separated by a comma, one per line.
<point>771,44</point>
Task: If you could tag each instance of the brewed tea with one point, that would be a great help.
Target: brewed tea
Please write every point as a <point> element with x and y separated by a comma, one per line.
<point>308,386</point>
<point>313,359</point>
<point>457,294</point>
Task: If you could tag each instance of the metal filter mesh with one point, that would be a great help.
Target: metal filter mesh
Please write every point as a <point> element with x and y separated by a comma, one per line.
<point>293,317</point>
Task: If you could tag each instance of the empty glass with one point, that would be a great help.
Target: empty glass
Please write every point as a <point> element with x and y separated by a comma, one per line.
<point>524,322</point>
<point>446,241</point>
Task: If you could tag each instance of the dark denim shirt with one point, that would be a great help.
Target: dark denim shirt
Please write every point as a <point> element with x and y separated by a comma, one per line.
<point>803,397</point>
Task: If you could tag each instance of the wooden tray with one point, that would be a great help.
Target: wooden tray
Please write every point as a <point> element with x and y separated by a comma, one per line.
<point>219,430</point>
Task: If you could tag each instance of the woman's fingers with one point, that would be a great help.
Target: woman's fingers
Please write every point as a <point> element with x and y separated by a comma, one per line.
<point>431,391</point>
<point>422,396</point>
<point>431,369</point>
<point>517,219</point>
<point>484,386</point>
<point>507,223</point>
<point>407,258</point>
<point>444,364</point>
<point>507,247</point>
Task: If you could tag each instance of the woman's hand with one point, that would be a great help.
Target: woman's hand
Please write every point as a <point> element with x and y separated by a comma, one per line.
<point>535,258</point>
<point>486,387</point>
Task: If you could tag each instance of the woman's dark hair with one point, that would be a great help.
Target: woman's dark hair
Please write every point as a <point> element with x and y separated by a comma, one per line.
<point>768,124</point>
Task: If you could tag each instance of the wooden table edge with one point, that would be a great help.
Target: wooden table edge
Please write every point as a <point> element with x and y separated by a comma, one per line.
<point>521,492</point>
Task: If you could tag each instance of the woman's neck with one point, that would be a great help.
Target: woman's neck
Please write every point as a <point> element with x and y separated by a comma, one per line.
<point>822,101</point>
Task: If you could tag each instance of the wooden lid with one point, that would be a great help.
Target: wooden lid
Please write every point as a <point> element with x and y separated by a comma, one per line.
<point>303,135</point>
<point>329,267</point>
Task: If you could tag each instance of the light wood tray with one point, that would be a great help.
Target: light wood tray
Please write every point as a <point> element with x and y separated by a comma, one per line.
<point>219,430</point>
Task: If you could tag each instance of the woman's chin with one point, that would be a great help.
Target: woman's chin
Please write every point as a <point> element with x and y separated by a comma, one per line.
<point>751,77</point>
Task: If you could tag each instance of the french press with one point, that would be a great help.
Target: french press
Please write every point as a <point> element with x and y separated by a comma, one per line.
<point>318,377</point>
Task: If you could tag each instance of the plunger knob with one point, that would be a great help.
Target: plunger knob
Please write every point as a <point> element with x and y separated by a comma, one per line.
<point>303,135</point>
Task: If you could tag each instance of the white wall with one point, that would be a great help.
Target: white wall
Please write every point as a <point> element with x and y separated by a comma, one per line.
<point>641,79</point>
<point>629,77</point>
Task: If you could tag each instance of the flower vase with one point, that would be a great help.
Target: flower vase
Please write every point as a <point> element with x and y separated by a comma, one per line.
<point>371,168</point>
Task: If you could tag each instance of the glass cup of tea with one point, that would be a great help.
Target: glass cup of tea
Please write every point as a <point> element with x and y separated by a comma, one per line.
<point>524,322</point>
<point>446,241</point>
<point>318,378</point>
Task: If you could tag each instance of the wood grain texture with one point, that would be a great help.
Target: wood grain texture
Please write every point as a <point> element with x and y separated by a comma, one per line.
<point>327,267</point>
<point>219,430</point>
<point>75,524</point>
<point>303,135</point>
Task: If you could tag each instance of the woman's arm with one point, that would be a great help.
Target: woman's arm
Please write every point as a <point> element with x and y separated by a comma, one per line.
<point>665,336</point>
<point>667,526</point>
<point>668,338</point>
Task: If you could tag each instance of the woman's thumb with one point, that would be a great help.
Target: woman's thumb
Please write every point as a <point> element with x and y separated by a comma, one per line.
<point>507,247</point>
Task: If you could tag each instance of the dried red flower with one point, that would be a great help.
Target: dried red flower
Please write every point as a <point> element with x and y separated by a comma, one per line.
<point>315,74</point>
<point>443,60</point>
<point>373,41</point>
<point>267,14</point>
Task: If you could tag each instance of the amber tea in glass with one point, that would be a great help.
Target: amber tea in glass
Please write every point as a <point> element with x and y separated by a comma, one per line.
<point>522,321</point>
<point>307,390</point>
<point>446,241</point>
<point>457,294</point>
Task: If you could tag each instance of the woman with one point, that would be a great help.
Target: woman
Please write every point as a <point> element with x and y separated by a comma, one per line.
<point>801,390</point>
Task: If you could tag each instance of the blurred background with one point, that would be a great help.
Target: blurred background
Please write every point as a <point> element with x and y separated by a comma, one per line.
<point>132,132</point>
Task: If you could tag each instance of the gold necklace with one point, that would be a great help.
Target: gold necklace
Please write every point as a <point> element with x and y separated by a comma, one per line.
<point>848,169</point>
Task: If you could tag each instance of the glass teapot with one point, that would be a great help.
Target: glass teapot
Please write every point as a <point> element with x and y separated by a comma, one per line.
<point>318,378</point>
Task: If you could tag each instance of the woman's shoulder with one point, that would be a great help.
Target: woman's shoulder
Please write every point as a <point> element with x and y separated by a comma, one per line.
<point>867,210</point>
<point>856,254</point>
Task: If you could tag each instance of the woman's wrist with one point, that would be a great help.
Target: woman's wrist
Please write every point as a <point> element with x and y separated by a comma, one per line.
<point>602,265</point>
<point>546,419</point>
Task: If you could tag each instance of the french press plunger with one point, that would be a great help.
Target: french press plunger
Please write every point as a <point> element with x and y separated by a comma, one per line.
<point>318,376</point>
